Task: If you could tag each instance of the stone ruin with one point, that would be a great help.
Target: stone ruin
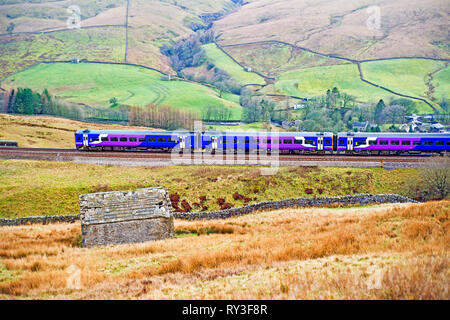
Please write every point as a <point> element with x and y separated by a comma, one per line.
<point>126,217</point>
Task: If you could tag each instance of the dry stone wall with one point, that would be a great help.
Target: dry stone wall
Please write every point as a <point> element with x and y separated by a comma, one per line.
<point>125,217</point>
<point>361,199</point>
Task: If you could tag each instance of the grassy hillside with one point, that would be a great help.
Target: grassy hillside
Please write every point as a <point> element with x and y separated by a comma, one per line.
<point>315,81</point>
<point>21,51</point>
<point>408,28</point>
<point>48,132</point>
<point>383,252</point>
<point>408,76</point>
<point>274,59</point>
<point>222,61</point>
<point>51,188</point>
<point>151,23</point>
<point>96,84</point>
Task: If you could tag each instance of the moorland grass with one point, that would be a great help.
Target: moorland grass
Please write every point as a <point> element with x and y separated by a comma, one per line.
<point>31,188</point>
<point>387,252</point>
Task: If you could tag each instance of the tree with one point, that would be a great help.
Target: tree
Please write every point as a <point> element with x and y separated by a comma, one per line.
<point>347,100</point>
<point>113,101</point>
<point>11,102</point>
<point>433,182</point>
<point>10,28</point>
<point>393,114</point>
<point>378,110</point>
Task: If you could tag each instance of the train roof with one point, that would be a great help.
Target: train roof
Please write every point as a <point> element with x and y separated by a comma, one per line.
<point>395,135</point>
<point>230,133</point>
<point>275,134</point>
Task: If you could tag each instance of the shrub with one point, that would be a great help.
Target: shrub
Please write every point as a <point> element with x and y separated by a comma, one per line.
<point>220,201</point>
<point>309,191</point>
<point>237,196</point>
<point>226,206</point>
<point>186,206</point>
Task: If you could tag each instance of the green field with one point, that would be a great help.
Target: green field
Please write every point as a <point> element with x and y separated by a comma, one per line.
<point>21,51</point>
<point>31,188</point>
<point>96,84</point>
<point>311,82</point>
<point>409,77</point>
<point>441,82</point>
<point>274,59</point>
<point>222,61</point>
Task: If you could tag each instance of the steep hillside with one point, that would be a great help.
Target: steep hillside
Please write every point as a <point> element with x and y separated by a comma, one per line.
<point>407,28</point>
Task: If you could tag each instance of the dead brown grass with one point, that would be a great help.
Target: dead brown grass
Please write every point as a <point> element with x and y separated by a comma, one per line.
<point>46,131</point>
<point>286,254</point>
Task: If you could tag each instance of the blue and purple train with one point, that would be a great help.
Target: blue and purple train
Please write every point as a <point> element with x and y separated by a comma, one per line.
<point>285,142</point>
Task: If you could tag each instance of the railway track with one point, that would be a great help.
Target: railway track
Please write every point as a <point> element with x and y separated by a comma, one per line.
<point>156,158</point>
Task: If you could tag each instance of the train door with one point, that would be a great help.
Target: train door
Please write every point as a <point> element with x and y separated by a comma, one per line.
<point>247,145</point>
<point>335,142</point>
<point>183,142</point>
<point>198,141</point>
<point>320,143</point>
<point>350,144</point>
<point>214,143</point>
<point>85,140</point>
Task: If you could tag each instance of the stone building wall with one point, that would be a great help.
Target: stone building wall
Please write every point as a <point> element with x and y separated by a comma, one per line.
<point>125,217</point>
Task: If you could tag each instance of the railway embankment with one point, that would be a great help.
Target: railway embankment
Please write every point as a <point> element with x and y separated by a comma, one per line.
<point>351,200</point>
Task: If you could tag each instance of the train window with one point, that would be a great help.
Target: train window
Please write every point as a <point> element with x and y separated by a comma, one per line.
<point>342,142</point>
<point>439,143</point>
<point>152,140</point>
<point>104,139</point>
<point>417,143</point>
<point>328,142</point>
<point>114,139</point>
<point>309,141</point>
<point>133,139</point>
<point>142,140</point>
<point>406,143</point>
<point>172,140</point>
<point>258,141</point>
<point>428,143</point>
<point>267,141</point>
<point>79,139</point>
<point>275,141</point>
<point>298,141</point>
<point>448,142</point>
<point>384,142</point>
<point>161,139</point>
<point>395,143</point>
<point>287,141</point>
<point>123,139</point>
<point>373,142</point>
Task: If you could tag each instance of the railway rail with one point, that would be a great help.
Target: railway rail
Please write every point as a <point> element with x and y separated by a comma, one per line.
<point>157,158</point>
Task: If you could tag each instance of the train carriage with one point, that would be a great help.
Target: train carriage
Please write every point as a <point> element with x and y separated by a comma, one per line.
<point>285,142</point>
<point>394,143</point>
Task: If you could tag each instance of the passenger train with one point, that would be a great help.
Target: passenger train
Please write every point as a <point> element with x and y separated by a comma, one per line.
<point>248,142</point>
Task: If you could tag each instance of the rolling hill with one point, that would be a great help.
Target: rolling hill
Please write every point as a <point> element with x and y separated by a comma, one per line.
<point>300,47</point>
